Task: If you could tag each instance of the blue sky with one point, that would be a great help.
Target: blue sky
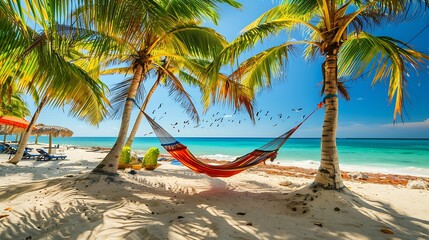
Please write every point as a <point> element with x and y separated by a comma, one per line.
<point>368,114</point>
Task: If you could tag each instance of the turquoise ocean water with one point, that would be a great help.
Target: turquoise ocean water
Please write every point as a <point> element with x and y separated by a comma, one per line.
<point>407,156</point>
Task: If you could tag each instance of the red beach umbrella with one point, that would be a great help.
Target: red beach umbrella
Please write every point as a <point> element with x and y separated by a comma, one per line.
<point>14,121</point>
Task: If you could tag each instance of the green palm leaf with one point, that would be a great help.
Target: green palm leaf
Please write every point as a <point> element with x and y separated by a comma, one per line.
<point>259,70</point>
<point>385,58</point>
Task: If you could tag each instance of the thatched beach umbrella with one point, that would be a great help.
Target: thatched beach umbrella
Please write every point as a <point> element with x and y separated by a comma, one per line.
<point>9,130</point>
<point>52,131</point>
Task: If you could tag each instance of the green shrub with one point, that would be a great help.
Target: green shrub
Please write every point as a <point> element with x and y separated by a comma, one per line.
<point>125,155</point>
<point>150,159</point>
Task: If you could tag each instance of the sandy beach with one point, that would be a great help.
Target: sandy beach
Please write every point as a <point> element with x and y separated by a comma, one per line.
<point>61,200</point>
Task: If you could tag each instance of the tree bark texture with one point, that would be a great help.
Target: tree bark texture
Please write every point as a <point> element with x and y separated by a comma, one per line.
<point>139,118</point>
<point>329,174</point>
<point>26,134</point>
<point>109,165</point>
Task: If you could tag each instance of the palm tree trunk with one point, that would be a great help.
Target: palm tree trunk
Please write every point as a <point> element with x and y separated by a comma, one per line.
<point>26,134</point>
<point>329,174</point>
<point>37,140</point>
<point>139,118</point>
<point>109,165</point>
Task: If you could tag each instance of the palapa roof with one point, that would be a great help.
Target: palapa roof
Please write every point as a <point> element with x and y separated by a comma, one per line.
<point>55,131</point>
<point>4,129</point>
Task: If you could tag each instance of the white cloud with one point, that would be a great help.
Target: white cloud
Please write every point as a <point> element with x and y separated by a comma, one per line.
<point>228,115</point>
<point>424,124</point>
<point>359,99</point>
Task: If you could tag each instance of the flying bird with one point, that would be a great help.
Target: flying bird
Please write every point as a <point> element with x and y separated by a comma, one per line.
<point>296,110</point>
<point>160,105</point>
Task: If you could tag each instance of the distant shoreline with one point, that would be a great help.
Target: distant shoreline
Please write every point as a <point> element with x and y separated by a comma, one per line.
<point>228,137</point>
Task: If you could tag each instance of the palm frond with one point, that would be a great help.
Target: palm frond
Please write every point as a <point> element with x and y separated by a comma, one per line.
<point>385,58</point>
<point>248,40</point>
<point>118,70</point>
<point>119,95</point>
<point>230,92</point>
<point>179,94</point>
<point>259,70</point>
<point>196,9</point>
<point>193,40</point>
<point>302,12</point>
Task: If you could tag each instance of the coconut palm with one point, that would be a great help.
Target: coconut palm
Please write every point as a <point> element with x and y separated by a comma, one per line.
<point>165,76</point>
<point>133,36</point>
<point>335,31</point>
<point>49,59</point>
<point>173,74</point>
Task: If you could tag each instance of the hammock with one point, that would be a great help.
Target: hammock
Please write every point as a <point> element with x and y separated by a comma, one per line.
<point>181,152</point>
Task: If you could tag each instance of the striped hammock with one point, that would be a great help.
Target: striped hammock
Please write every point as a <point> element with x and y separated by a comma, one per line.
<point>182,154</point>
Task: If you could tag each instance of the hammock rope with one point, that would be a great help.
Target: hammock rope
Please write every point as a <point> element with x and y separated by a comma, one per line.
<point>182,154</point>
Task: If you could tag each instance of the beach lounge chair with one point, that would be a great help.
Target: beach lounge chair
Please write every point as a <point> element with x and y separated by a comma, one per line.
<point>28,155</point>
<point>2,148</point>
<point>11,149</point>
<point>44,156</point>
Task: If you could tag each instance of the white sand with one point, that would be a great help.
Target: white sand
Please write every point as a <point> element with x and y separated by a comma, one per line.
<point>172,202</point>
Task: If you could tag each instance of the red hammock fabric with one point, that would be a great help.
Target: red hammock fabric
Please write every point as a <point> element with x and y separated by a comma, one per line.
<point>182,154</point>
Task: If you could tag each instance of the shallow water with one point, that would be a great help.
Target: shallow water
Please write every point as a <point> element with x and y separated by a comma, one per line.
<point>410,156</point>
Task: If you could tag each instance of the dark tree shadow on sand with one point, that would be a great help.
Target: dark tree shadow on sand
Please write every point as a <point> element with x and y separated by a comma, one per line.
<point>133,207</point>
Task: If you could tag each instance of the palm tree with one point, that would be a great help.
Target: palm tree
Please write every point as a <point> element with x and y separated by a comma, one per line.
<point>171,74</point>
<point>52,61</point>
<point>165,76</point>
<point>335,31</point>
<point>140,36</point>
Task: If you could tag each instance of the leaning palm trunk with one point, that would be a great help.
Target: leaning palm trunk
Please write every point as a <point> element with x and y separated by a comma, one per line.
<point>329,174</point>
<point>109,165</point>
<point>139,118</point>
<point>26,134</point>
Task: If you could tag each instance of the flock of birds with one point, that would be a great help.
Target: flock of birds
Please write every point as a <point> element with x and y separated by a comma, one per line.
<point>219,119</point>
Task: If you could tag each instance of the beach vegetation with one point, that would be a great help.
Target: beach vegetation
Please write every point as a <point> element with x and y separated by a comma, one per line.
<point>339,33</point>
<point>150,159</point>
<point>125,155</point>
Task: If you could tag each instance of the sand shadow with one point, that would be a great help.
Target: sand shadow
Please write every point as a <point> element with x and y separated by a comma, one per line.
<point>135,207</point>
